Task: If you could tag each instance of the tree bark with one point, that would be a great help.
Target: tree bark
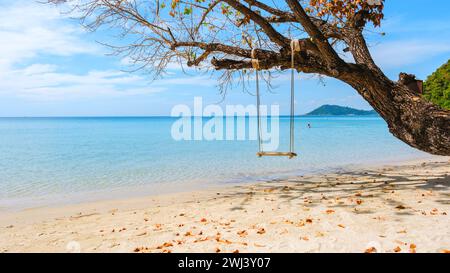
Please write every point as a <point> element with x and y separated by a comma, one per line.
<point>409,116</point>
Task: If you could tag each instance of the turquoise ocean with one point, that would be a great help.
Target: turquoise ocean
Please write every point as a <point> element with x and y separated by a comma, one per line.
<point>49,161</point>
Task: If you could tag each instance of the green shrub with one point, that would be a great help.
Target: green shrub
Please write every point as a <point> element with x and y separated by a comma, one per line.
<point>437,86</point>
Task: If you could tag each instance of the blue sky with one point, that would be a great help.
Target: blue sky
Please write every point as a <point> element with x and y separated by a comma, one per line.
<point>49,66</point>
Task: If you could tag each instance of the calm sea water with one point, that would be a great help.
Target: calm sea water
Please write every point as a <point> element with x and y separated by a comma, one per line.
<point>51,160</point>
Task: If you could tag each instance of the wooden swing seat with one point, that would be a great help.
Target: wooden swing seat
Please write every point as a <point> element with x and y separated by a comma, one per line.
<point>295,47</point>
<point>288,154</point>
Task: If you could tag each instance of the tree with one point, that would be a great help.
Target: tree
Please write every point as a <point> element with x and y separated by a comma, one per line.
<point>437,86</point>
<point>222,34</point>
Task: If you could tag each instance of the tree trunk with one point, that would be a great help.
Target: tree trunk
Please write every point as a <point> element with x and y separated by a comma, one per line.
<point>410,117</point>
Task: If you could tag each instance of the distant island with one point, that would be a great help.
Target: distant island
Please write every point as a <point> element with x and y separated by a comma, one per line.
<point>336,110</point>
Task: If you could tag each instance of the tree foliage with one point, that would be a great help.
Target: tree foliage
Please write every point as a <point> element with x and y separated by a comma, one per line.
<point>437,86</point>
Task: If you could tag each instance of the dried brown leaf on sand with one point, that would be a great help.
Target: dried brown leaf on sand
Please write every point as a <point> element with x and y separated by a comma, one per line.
<point>242,233</point>
<point>261,231</point>
<point>166,244</point>
<point>371,250</point>
<point>141,249</point>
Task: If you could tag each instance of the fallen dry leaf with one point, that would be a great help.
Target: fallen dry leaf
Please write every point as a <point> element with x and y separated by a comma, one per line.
<point>261,231</point>
<point>242,233</point>
<point>141,249</point>
<point>446,251</point>
<point>202,240</point>
<point>164,245</point>
<point>341,226</point>
<point>400,207</point>
<point>371,250</point>
<point>236,251</point>
<point>219,240</point>
<point>397,249</point>
<point>359,201</point>
<point>203,220</point>
<point>330,211</point>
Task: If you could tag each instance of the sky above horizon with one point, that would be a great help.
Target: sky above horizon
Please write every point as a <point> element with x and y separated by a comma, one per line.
<point>49,66</point>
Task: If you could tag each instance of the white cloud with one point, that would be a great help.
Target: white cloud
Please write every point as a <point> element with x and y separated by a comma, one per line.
<point>42,82</point>
<point>406,52</point>
<point>29,30</point>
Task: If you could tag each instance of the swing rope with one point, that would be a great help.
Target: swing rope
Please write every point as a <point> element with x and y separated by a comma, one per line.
<point>255,64</point>
<point>295,47</point>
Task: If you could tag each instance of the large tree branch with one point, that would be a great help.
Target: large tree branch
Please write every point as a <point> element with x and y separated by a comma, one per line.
<point>329,54</point>
<point>227,49</point>
<point>359,49</point>
<point>265,7</point>
<point>307,48</point>
<point>270,31</point>
<point>306,64</point>
<point>281,16</point>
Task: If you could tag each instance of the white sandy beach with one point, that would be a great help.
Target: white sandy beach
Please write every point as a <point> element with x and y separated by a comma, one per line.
<point>398,208</point>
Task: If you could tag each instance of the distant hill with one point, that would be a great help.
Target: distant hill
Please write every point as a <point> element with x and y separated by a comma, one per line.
<point>335,110</point>
<point>437,86</point>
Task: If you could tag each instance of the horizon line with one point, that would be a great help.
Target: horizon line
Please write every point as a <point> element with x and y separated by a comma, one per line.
<point>164,116</point>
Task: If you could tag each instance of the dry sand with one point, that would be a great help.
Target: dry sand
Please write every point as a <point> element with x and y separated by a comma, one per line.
<point>402,208</point>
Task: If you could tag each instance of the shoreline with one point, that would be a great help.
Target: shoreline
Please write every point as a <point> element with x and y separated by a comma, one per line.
<point>17,204</point>
<point>407,202</point>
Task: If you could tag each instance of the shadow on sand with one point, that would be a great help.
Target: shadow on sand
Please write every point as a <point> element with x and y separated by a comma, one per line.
<point>359,185</point>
